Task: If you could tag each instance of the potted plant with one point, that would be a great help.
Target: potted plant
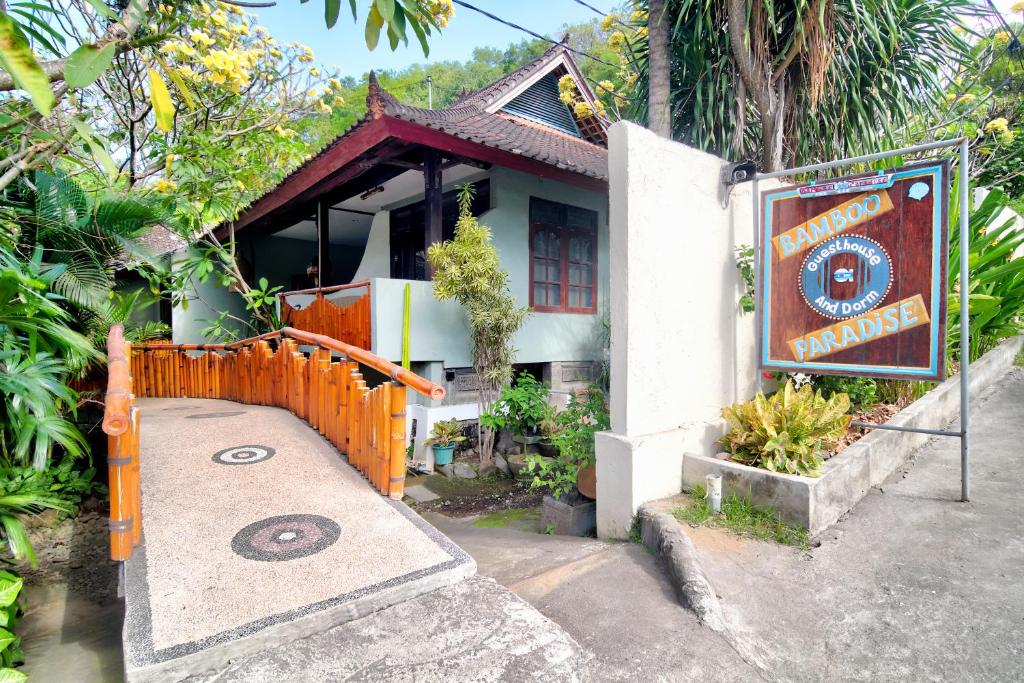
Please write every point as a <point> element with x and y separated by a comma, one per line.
<point>445,435</point>
<point>520,408</point>
<point>550,429</point>
<point>570,507</point>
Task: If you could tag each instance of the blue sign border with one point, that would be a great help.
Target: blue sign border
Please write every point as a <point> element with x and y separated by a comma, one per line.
<point>935,324</point>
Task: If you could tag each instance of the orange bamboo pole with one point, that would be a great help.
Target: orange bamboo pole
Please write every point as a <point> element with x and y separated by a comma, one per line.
<point>396,464</point>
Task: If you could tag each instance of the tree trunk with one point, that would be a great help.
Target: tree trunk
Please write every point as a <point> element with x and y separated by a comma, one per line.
<point>659,73</point>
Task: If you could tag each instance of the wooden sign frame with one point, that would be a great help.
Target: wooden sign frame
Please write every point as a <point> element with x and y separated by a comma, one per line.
<point>853,275</point>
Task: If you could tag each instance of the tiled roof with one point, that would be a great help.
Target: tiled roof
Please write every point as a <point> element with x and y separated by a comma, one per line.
<point>154,242</point>
<point>489,94</point>
<point>507,132</point>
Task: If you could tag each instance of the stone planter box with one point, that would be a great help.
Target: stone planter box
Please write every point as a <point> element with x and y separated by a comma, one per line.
<point>817,503</point>
<point>569,520</point>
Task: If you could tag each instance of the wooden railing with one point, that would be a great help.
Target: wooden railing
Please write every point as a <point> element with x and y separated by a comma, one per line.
<point>328,392</point>
<point>350,324</point>
<point>121,424</point>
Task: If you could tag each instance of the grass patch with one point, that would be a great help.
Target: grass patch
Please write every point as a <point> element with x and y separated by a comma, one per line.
<point>502,518</point>
<point>743,518</point>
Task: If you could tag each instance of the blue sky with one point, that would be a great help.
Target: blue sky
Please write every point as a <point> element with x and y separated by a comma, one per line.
<point>343,46</point>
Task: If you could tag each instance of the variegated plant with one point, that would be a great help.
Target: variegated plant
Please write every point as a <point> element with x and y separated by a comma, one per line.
<point>788,431</point>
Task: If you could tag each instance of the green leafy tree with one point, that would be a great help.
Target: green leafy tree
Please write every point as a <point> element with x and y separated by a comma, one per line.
<point>467,270</point>
<point>795,82</point>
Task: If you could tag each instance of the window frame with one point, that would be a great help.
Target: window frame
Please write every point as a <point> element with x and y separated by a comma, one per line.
<point>565,234</point>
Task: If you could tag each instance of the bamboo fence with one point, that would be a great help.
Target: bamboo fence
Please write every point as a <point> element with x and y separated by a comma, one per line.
<point>121,424</point>
<point>349,323</point>
<point>327,391</point>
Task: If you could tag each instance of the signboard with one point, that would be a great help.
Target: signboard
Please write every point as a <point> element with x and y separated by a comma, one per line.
<point>853,275</point>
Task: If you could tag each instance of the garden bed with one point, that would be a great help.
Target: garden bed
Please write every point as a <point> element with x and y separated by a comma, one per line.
<point>817,503</point>
<point>466,497</point>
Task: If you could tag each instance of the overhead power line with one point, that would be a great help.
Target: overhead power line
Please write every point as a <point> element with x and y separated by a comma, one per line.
<point>536,35</point>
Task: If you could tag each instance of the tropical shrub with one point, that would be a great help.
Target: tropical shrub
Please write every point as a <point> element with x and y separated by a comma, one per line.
<point>467,270</point>
<point>10,613</point>
<point>863,391</point>
<point>62,481</point>
<point>788,431</point>
<point>586,414</point>
<point>520,407</point>
<point>446,433</point>
<point>995,276</point>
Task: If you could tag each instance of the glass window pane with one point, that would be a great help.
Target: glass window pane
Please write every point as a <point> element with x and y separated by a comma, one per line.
<point>588,297</point>
<point>554,245</point>
<point>574,297</point>
<point>540,267</point>
<point>539,243</point>
<point>575,273</point>
<point>539,295</point>
<point>554,295</point>
<point>554,272</point>
<point>586,254</point>
<point>586,275</point>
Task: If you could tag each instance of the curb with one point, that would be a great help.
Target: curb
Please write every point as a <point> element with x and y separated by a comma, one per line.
<point>660,532</point>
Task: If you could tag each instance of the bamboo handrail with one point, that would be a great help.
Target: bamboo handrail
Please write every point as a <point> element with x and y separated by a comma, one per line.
<point>325,290</point>
<point>117,406</point>
<point>397,373</point>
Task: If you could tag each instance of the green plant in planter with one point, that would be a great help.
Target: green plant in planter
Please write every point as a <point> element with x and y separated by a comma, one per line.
<point>446,433</point>
<point>586,414</point>
<point>788,431</point>
<point>520,407</point>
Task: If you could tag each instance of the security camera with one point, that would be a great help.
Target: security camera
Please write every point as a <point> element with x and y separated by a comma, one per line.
<point>739,172</point>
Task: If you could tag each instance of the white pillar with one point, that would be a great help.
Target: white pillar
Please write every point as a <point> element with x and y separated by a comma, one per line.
<point>680,350</point>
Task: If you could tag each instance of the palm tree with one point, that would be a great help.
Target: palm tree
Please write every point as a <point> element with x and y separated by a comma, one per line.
<point>88,234</point>
<point>803,80</point>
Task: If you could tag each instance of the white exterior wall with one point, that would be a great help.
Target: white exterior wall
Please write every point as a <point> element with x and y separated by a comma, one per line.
<point>680,349</point>
<point>377,255</point>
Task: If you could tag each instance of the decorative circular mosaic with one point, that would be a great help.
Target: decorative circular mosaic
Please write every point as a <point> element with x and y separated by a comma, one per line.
<point>243,455</point>
<point>285,537</point>
<point>207,416</point>
<point>845,276</point>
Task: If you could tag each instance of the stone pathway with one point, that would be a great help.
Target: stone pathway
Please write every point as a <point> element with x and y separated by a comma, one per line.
<point>257,532</point>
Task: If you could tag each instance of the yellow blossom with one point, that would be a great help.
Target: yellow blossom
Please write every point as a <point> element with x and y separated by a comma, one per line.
<point>608,22</point>
<point>315,73</point>
<point>1001,37</point>
<point>261,32</point>
<point>311,93</point>
<point>631,79</point>
<point>334,83</point>
<point>164,185</point>
<point>1007,137</point>
<point>275,53</point>
<point>219,18</point>
<point>285,132</point>
<point>567,98</point>
<point>240,185</point>
<point>164,9</point>
<point>1017,7</point>
<point>638,16</point>
<point>966,99</point>
<point>169,48</point>
<point>617,40</point>
<point>323,107</point>
<point>240,29</point>
<point>442,11</point>
<point>583,110</point>
<point>641,32</point>
<point>999,125</point>
<point>607,86</point>
<point>599,108</point>
<point>566,83</point>
<point>200,38</point>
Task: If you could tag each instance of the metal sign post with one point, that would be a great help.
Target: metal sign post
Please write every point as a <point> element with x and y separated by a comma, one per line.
<point>760,250</point>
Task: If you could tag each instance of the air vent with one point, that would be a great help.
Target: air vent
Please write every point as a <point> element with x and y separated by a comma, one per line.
<point>540,103</point>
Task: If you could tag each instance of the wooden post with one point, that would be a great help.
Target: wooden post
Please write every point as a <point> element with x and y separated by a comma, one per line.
<point>323,239</point>
<point>396,462</point>
<point>432,197</point>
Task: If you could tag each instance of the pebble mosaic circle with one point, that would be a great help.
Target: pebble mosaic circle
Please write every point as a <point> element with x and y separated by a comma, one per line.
<point>285,537</point>
<point>243,455</point>
<point>207,416</point>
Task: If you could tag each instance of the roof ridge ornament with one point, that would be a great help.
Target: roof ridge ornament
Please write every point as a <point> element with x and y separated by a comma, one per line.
<point>374,102</point>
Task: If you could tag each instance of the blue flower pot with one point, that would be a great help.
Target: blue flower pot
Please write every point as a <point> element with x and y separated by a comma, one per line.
<point>443,454</point>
